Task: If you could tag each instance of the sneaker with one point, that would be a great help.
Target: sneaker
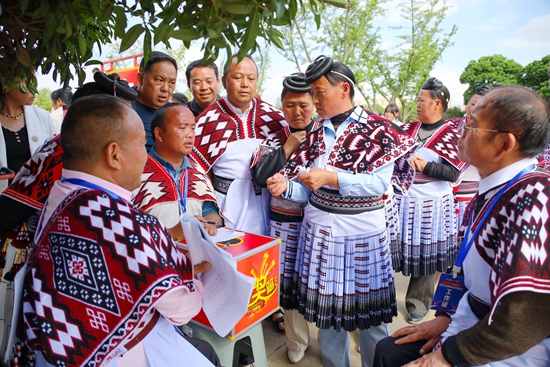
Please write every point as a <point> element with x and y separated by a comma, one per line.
<point>295,356</point>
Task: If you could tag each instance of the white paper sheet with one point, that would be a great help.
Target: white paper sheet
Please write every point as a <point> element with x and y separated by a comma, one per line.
<point>226,290</point>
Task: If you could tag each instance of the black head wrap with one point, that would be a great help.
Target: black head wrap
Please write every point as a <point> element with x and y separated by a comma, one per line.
<point>295,83</point>
<point>438,90</point>
<point>106,84</point>
<point>484,89</point>
<point>319,67</point>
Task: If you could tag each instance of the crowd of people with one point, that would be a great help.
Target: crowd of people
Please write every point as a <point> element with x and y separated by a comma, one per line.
<point>91,217</point>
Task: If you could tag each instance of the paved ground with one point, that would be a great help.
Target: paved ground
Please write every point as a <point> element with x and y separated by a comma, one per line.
<point>275,342</point>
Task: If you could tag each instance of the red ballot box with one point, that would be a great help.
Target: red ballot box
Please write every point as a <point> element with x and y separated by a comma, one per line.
<point>256,256</point>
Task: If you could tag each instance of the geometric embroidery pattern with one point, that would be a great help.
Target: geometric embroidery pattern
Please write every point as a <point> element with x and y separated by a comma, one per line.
<point>514,239</point>
<point>74,276</point>
<point>443,142</point>
<point>100,282</point>
<point>218,126</point>
<point>368,143</point>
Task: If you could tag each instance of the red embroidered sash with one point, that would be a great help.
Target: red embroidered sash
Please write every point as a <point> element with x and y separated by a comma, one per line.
<point>513,240</point>
<point>444,142</point>
<point>35,179</point>
<point>157,186</point>
<point>218,126</point>
<point>368,143</point>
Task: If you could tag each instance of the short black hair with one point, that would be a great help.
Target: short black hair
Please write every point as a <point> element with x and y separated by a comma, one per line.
<point>156,56</point>
<point>522,112</point>
<point>335,76</point>
<point>200,64</point>
<point>91,123</point>
<point>159,118</point>
<point>180,98</point>
<point>65,94</point>
<point>226,67</point>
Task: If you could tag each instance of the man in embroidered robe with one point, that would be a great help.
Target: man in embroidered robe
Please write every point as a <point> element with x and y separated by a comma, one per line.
<point>171,182</point>
<point>22,201</point>
<point>504,317</point>
<point>106,281</point>
<point>227,135</point>
<point>344,278</point>
<point>203,82</point>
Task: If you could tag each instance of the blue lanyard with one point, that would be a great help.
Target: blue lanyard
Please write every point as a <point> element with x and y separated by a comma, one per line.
<point>88,184</point>
<point>468,241</point>
<point>183,201</point>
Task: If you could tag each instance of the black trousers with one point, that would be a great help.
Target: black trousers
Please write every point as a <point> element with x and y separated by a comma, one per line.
<point>387,354</point>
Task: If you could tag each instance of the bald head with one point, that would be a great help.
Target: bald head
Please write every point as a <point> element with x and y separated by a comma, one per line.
<point>522,112</point>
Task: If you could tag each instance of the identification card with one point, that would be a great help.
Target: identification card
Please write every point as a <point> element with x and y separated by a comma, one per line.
<point>448,293</point>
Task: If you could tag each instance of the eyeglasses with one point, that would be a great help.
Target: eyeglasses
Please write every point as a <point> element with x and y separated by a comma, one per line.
<point>466,127</point>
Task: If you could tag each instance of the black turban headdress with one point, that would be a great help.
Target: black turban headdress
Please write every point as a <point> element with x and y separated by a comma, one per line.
<point>105,85</point>
<point>295,83</point>
<point>319,67</point>
<point>440,90</point>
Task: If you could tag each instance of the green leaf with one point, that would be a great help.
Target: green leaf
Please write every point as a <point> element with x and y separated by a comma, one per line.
<point>240,9</point>
<point>160,32</point>
<point>292,9</point>
<point>120,21</point>
<point>20,88</point>
<point>68,28</point>
<point>147,51</point>
<point>92,62</point>
<point>252,31</point>
<point>81,44</point>
<point>131,37</point>
<point>189,34</point>
<point>338,3</point>
<point>275,37</point>
<point>214,33</point>
<point>318,20</point>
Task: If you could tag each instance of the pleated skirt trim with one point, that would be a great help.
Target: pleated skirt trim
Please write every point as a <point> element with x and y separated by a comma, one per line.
<point>428,234</point>
<point>288,232</point>
<point>346,282</point>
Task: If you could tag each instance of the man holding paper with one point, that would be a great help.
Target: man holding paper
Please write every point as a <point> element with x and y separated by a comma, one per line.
<point>172,183</point>
<point>106,281</point>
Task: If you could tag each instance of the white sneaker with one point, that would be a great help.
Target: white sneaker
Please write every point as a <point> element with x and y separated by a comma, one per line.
<point>295,356</point>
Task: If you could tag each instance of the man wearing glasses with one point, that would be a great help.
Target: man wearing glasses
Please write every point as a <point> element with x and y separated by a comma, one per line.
<point>503,318</point>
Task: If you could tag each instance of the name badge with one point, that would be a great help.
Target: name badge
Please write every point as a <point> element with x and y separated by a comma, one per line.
<point>448,293</point>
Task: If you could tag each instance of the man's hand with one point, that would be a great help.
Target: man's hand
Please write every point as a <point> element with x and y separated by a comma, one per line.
<point>293,142</point>
<point>434,359</point>
<point>201,267</point>
<point>429,330</point>
<point>418,163</point>
<point>276,184</point>
<point>316,178</point>
<point>176,232</point>
<point>211,229</point>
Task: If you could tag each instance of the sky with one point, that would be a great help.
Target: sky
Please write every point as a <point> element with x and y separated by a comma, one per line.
<point>516,29</point>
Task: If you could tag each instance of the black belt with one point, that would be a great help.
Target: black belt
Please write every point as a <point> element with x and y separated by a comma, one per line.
<point>221,184</point>
<point>331,201</point>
